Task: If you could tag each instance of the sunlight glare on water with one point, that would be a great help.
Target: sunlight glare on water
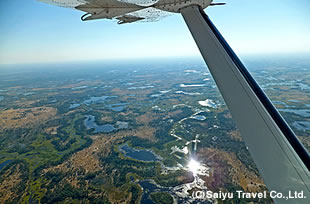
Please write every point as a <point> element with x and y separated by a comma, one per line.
<point>194,166</point>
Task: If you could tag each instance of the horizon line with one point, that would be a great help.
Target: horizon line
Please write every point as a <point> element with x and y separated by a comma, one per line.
<point>275,54</point>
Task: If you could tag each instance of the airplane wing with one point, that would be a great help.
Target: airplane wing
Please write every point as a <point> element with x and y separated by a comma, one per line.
<point>280,158</point>
<point>65,3</point>
<point>125,11</point>
<point>98,9</point>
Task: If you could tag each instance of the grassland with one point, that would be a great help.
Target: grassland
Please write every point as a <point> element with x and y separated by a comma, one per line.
<point>54,158</point>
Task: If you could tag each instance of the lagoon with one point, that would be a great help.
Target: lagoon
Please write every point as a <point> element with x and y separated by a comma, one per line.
<point>142,155</point>
<point>74,105</point>
<point>90,123</point>
<point>99,99</point>
<point>199,117</point>
<point>3,164</point>
<point>302,112</point>
<point>302,125</point>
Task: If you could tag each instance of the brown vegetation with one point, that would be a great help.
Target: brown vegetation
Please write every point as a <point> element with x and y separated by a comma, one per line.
<point>11,179</point>
<point>145,132</point>
<point>226,168</point>
<point>235,135</point>
<point>145,118</point>
<point>82,83</point>
<point>14,118</point>
<point>52,130</point>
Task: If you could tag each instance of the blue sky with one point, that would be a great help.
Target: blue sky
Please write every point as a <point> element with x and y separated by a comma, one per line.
<point>34,32</point>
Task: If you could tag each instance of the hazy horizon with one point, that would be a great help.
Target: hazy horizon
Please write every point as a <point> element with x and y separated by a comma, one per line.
<point>35,32</point>
<point>271,59</point>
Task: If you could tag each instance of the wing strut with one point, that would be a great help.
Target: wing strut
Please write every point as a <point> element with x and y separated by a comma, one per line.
<point>281,159</point>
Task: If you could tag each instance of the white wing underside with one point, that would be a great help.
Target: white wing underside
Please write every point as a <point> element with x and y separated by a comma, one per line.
<point>125,11</point>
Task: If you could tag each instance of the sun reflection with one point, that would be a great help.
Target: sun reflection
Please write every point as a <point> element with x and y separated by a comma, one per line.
<point>194,166</point>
